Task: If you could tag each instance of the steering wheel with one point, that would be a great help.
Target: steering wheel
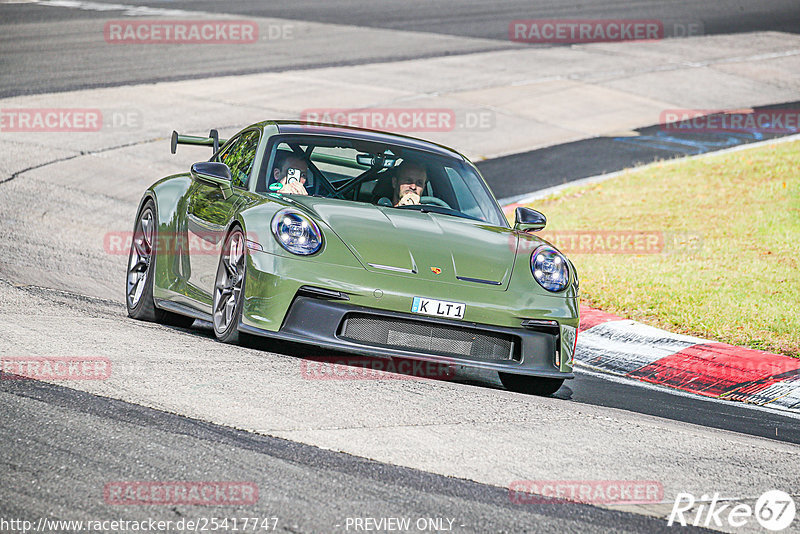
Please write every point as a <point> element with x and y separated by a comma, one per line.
<point>434,201</point>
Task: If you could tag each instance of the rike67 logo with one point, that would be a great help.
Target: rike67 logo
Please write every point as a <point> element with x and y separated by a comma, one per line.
<point>775,510</point>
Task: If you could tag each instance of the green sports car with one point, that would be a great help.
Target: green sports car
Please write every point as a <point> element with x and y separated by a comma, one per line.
<point>359,241</point>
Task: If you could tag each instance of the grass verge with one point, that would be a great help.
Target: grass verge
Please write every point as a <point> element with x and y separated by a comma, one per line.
<point>727,266</point>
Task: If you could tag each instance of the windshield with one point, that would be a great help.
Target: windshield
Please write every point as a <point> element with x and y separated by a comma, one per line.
<point>381,174</point>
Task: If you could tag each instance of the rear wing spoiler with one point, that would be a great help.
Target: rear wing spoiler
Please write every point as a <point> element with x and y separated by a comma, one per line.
<point>212,140</point>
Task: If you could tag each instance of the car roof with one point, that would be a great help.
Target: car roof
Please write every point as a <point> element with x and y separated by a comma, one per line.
<point>349,132</point>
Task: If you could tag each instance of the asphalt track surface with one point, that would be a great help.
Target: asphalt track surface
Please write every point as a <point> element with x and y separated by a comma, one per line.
<point>74,442</point>
<point>58,49</point>
<point>489,20</point>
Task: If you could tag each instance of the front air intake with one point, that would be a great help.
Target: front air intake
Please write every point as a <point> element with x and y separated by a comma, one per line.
<point>429,338</point>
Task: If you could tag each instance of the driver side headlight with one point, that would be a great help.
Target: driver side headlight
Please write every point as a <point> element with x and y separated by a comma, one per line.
<point>550,268</point>
<point>296,232</point>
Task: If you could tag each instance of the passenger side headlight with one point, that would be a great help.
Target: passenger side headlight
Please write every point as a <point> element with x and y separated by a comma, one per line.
<point>296,232</point>
<point>550,268</point>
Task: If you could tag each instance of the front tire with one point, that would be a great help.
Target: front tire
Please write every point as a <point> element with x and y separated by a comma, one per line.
<point>228,295</point>
<point>531,385</point>
<point>141,273</point>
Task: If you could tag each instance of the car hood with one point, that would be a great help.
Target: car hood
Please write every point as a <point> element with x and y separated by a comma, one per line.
<point>422,245</point>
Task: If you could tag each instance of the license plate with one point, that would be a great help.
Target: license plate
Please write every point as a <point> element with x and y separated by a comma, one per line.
<point>438,308</point>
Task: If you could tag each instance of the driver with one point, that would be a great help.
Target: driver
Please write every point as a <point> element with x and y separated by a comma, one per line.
<point>294,184</point>
<point>408,183</point>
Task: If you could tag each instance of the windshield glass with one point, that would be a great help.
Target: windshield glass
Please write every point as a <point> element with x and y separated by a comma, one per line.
<point>382,174</point>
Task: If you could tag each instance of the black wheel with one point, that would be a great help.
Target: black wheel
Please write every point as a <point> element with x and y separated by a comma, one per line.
<point>141,273</point>
<point>228,288</point>
<point>531,385</point>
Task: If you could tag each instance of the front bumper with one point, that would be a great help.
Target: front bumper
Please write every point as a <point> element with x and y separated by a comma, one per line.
<point>536,351</point>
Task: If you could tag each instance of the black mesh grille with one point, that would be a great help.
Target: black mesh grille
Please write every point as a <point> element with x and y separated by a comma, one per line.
<point>427,337</point>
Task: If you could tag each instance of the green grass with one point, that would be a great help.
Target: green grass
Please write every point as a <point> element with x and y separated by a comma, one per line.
<point>738,282</point>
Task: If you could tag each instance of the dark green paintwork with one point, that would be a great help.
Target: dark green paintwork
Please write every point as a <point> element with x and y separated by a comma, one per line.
<point>355,235</point>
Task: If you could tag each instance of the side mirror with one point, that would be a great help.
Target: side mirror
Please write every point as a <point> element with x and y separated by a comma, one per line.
<point>529,219</point>
<point>213,173</point>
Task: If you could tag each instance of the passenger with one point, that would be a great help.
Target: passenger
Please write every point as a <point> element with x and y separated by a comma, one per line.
<point>292,174</point>
<point>408,183</point>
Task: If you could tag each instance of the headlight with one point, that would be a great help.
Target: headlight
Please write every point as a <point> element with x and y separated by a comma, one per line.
<point>296,232</point>
<point>550,269</point>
